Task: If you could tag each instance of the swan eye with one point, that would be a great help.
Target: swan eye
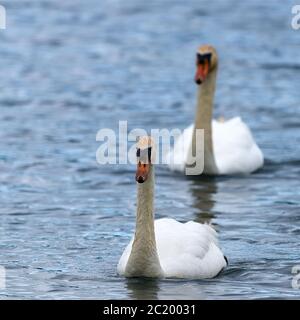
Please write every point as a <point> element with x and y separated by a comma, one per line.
<point>201,58</point>
<point>144,155</point>
<point>149,154</point>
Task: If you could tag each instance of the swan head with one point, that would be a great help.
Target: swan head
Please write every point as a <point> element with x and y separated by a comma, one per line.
<point>206,61</point>
<point>145,153</point>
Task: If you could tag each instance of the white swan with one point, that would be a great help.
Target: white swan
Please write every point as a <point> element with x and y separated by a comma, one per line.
<point>229,147</point>
<point>166,247</point>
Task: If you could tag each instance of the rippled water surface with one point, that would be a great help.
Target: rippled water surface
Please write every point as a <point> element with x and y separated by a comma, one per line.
<point>70,68</point>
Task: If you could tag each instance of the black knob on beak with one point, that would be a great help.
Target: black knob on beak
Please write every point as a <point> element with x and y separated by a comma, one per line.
<point>198,81</point>
<point>140,179</point>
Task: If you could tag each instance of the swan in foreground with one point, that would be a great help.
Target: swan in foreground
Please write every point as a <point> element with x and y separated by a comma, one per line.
<point>229,147</point>
<point>166,247</point>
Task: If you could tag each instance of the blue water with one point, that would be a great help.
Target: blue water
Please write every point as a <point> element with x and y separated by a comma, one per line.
<point>70,68</point>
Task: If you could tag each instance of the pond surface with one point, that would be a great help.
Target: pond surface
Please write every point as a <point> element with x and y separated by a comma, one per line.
<point>70,68</point>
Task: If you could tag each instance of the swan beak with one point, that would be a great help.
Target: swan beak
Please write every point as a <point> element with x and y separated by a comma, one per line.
<point>142,172</point>
<point>202,72</point>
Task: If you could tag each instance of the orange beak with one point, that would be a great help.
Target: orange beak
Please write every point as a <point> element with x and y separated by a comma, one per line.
<point>202,72</point>
<point>142,172</point>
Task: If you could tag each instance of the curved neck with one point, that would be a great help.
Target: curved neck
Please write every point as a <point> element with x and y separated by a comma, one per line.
<point>143,259</point>
<point>203,120</point>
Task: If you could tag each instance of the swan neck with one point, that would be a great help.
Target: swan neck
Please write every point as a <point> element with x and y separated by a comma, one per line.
<point>143,259</point>
<point>203,120</point>
<point>205,101</point>
<point>145,208</point>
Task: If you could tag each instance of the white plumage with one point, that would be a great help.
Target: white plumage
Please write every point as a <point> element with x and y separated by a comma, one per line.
<point>185,250</point>
<point>229,147</point>
<point>235,150</point>
<point>166,247</point>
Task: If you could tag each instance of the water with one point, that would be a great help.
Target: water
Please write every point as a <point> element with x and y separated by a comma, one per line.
<point>70,68</point>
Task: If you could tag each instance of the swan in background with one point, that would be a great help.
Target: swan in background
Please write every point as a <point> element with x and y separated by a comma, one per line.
<point>229,147</point>
<point>166,247</point>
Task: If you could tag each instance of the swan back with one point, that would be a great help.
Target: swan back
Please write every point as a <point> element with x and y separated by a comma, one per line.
<point>235,150</point>
<point>185,250</point>
<point>188,250</point>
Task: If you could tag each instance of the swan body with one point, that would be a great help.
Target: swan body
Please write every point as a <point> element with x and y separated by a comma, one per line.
<point>185,250</point>
<point>229,147</point>
<point>166,247</point>
<point>234,148</point>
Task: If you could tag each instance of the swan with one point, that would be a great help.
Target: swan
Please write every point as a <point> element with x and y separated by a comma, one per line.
<point>166,248</point>
<point>229,147</point>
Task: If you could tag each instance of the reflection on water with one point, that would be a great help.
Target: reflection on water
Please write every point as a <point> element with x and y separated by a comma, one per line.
<point>149,289</point>
<point>144,289</point>
<point>74,67</point>
<point>203,191</point>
